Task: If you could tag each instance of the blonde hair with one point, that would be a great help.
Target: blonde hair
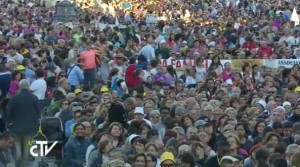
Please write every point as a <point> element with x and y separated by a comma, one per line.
<point>251,111</point>
<point>230,109</point>
<point>100,110</point>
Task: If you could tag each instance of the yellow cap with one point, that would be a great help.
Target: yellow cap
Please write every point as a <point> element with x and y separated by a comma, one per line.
<point>20,68</point>
<point>104,88</point>
<point>167,156</point>
<point>297,89</point>
<point>77,91</point>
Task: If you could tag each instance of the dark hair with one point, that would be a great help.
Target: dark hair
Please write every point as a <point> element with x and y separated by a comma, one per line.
<point>280,148</point>
<point>187,158</point>
<point>78,124</point>
<point>140,155</point>
<point>279,162</point>
<point>14,74</point>
<point>39,73</point>
<point>153,157</point>
<point>6,135</point>
<point>255,132</point>
<point>261,157</point>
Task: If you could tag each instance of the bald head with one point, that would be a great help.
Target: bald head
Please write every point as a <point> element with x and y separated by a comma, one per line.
<point>184,148</point>
<point>24,84</point>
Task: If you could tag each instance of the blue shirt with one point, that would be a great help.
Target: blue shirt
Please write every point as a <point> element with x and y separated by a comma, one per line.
<point>68,125</point>
<point>75,75</point>
<point>30,75</point>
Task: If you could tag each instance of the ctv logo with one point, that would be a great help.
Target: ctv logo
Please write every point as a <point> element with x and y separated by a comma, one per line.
<point>41,149</point>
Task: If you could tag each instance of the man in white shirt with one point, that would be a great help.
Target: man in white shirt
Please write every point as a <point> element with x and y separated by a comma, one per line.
<point>148,50</point>
<point>12,53</point>
<point>294,39</point>
<point>39,86</point>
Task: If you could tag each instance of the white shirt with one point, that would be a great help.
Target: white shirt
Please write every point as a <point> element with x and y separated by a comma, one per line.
<point>190,80</point>
<point>18,57</point>
<point>293,41</point>
<point>148,51</point>
<point>39,88</point>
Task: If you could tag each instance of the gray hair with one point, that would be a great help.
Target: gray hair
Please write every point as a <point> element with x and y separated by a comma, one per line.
<point>24,84</point>
<point>292,147</point>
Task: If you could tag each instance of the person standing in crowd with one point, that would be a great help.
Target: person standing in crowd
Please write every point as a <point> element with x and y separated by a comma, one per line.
<point>118,112</point>
<point>5,80</point>
<point>39,86</point>
<point>23,114</point>
<point>74,74</point>
<point>88,60</point>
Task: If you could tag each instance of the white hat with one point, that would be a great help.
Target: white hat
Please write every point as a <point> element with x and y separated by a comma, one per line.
<point>162,41</point>
<point>286,103</point>
<point>230,158</point>
<point>229,81</point>
<point>262,102</point>
<point>184,42</point>
<point>139,110</point>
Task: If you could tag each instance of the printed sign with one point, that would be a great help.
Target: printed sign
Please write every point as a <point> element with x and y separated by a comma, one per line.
<point>287,63</point>
<point>177,64</point>
<point>151,19</point>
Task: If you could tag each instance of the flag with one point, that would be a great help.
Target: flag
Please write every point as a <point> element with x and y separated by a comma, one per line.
<point>117,21</point>
<point>295,17</point>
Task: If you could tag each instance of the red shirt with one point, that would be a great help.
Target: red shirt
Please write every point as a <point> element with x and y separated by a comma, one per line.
<point>88,58</point>
<point>264,51</point>
<point>249,46</point>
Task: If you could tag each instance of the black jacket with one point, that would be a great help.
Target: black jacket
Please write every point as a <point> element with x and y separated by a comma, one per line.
<point>117,113</point>
<point>212,162</point>
<point>24,112</point>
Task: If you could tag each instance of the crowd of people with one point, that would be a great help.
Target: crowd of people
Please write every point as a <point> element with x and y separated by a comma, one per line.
<point>104,94</point>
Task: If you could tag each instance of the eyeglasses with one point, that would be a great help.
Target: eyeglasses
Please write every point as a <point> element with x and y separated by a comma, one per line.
<point>166,165</point>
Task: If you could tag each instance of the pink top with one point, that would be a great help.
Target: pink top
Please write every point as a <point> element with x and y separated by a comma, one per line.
<point>226,75</point>
<point>14,87</point>
<point>88,59</point>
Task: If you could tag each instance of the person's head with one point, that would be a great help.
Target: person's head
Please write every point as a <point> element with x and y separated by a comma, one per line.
<point>262,156</point>
<point>185,159</point>
<point>167,160</point>
<point>63,82</point>
<point>105,144</point>
<point>115,129</point>
<point>291,150</point>
<point>228,161</point>
<point>295,160</point>
<point>79,130</point>
<point>234,142</point>
<point>152,149</point>
<point>39,73</point>
<point>172,146</point>
<point>272,137</point>
<point>24,84</point>
<point>184,148</point>
<point>279,162</point>
<point>241,130</point>
<point>151,160</point>
<point>6,140</point>
<point>130,104</point>
<point>139,145</point>
<point>223,148</point>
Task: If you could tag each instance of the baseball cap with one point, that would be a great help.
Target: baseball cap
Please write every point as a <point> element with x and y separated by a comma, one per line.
<point>139,110</point>
<point>20,68</point>
<point>200,123</point>
<point>77,108</point>
<point>77,91</point>
<point>286,103</point>
<point>229,159</point>
<point>167,156</point>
